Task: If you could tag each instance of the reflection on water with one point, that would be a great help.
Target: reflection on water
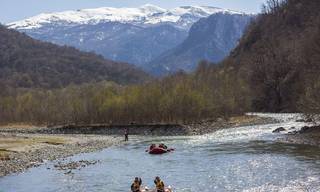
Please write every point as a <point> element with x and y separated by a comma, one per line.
<point>240,159</point>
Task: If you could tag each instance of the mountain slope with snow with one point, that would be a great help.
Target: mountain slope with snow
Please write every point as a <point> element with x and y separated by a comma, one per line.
<point>143,16</point>
<point>132,35</point>
<point>209,39</point>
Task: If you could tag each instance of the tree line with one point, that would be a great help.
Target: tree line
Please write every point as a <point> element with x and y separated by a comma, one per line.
<point>180,98</point>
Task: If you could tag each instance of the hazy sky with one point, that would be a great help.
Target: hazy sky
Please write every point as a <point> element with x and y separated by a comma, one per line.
<point>13,10</point>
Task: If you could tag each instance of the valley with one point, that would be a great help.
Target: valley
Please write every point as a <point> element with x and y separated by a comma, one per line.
<point>229,98</point>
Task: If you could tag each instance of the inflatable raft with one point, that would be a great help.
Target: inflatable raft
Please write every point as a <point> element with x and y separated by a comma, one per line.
<point>146,189</point>
<point>159,150</point>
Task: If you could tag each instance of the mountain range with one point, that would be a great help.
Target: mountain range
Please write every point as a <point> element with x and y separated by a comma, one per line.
<point>150,37</point>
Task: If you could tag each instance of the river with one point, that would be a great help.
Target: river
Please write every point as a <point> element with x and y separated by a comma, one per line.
<point>238,159</point>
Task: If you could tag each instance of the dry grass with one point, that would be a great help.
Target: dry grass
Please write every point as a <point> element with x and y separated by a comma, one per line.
<point>4,154</point>
<point>20,126</point>
<point>9,144</point>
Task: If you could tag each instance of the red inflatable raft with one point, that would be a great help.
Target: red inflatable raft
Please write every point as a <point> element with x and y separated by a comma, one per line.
<point>158,150</point>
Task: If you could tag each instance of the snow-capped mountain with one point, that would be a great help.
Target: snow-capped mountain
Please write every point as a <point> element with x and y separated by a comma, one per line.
<point>210,39</point>
<point>142,16</point>
<point>132,35</point>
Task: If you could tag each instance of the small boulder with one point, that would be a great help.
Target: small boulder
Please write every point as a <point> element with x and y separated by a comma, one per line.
<point>307,129</point>
<point>307,120</point>
<point>293,132</point>
<point>278,130</point>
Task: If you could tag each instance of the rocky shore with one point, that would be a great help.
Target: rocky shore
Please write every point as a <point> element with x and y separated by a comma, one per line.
<point>239,121</point>
<point>308,135</point>
<point>27,150</point>
<point>199,128</point>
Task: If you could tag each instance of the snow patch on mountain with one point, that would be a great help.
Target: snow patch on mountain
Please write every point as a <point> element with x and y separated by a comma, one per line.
<point>145,15</point>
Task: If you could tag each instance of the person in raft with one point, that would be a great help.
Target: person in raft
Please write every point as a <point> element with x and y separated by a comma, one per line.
<point>152,146</point>
<point>126,134</point>
<point>136,185</point>
<point>159,184</point>
<point>163,146</point>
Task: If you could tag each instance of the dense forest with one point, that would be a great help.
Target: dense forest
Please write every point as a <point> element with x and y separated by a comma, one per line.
<point>29,63</point>
<point>279,56</point>
<point>274,68</point>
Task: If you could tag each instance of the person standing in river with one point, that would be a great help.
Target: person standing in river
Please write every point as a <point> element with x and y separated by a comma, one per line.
<point>126,134</point>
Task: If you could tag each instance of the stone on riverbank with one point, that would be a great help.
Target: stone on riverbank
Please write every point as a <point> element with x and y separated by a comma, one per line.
<point>74,165</point>
<point>25,154</point>
<point>307,135</point>
<point>278,130</point>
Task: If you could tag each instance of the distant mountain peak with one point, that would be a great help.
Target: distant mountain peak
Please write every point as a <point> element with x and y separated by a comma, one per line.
<point>147,14</point>
<point>151,7</point>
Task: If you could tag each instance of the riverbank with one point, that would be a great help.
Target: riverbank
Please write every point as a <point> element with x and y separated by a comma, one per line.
<point>308,135</point>
<point>206,127</point>
<point>18,152</point>
<point>160,129</point>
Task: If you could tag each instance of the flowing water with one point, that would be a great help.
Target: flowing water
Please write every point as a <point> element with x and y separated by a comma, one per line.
<point>238,159</point>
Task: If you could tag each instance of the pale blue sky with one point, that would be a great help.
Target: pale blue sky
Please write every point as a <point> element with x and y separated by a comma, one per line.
<point>13,10</point>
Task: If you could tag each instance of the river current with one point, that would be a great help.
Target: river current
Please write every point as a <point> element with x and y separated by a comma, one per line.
<point>238,159</point>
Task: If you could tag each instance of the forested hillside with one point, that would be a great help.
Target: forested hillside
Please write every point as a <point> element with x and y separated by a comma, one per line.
<point>29,63</point>
<point>279,56</point>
